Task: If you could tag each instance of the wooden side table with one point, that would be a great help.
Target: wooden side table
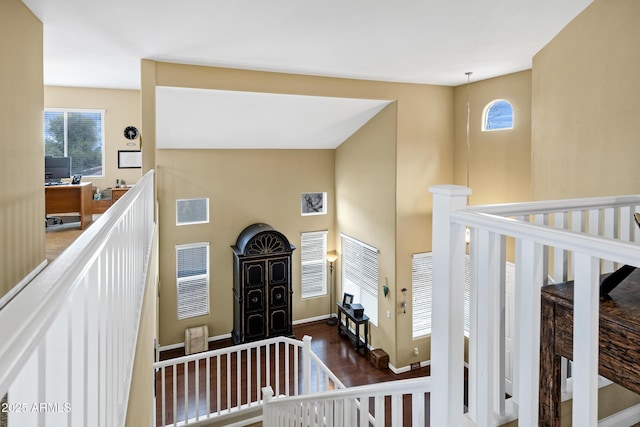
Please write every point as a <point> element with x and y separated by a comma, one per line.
<point>619,340</point>
<point>357,321</point>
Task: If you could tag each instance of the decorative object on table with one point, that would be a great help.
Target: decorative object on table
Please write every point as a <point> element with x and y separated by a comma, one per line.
<point>358,310</point>
<point>403,304</point>
<point>347,300</point>
<point>331,258</point>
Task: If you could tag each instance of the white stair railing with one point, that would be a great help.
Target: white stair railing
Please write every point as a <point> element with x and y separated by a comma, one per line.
<point>559,240</point>
<point>227,381</point>
<point>67,340</point>
<point>378,405</point>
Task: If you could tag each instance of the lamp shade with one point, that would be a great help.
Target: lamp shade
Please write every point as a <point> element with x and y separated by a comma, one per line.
<point>332,257</point>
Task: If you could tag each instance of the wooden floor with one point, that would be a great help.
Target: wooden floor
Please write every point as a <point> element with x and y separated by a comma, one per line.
<point>337,352</point>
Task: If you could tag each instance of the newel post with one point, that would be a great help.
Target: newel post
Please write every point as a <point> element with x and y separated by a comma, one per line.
<point>306,367</point>
<point>447,321</point>
<point>267,396</point>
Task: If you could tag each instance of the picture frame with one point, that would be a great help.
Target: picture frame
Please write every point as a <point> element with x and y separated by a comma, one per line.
<point>129,159</point>
<point>347,300</point>
<point>313,203</point>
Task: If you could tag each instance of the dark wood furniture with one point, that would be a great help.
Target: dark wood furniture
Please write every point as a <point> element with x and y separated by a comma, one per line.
<point>69,198</point>
<point>261,284</point>
<point>357,321</point>
<point>619,340</point>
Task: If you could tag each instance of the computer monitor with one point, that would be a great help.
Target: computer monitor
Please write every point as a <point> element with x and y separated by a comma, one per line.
<point>56,168</point>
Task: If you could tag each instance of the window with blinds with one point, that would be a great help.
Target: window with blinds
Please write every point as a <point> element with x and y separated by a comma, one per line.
<point>313,250</point>
<point>192,271</point>
<point>192,211</point>
<point>360,274</point>
<point>78,134</point>
<point>422,285</point>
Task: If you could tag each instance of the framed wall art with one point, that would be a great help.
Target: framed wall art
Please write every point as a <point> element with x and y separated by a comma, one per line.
<point>129,159</point>
<point>313,204</point>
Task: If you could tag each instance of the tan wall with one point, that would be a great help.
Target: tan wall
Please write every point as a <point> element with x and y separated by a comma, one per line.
<point>365,200</point>
<point>424,158</point>
<point>21,147</point>
<point>141,394</point>
<point>499,161</point>
<point>243,187</point>
<point>122,109</point>
<point>424,149</point>
<point>585,105</point>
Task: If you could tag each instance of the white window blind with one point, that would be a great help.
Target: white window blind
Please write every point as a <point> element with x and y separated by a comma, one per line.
<point>422,293</point>
<point>421,280</point>
<point>314,265</point>
<point>360,274</point>
<point>192,271</point>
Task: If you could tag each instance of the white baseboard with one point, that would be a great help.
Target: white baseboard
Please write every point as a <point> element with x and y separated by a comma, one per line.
<point>626,417</point>
<point>181,344</point>
<point>311,319</point>
<point>407,368</point>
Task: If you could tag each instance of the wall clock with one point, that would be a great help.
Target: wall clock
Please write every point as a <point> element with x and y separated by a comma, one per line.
<point>131,132</point>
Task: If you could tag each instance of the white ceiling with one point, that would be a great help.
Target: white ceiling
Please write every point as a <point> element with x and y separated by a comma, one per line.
<point>100,44</point>
<point>197,118</point>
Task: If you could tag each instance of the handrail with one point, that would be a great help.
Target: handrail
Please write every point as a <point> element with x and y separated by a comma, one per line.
<point>407,386</point>
<point>28,318</point>
<point>229,370</point>
<point>597,246</point>
<point>344,407</point>
<point>225,350</point>
<point>576,239</point>
<point>549,206</point>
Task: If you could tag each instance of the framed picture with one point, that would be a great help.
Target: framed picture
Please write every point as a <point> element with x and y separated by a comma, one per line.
<point>313,204</point>
<point>129,159</point>
<point>347,300</point>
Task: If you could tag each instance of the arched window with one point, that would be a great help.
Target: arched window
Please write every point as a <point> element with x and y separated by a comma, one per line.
<point>497,115</point>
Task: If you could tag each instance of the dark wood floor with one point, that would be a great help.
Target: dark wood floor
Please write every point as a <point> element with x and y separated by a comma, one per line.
<point>337,352</point>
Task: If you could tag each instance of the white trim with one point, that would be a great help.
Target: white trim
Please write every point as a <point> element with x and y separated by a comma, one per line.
<point>626,417</point>
<point>21,284</point>
<point>311,319</point>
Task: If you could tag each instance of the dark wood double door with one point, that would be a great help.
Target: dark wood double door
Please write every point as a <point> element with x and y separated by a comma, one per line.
<point>268,298</point>
<point>262,284</point>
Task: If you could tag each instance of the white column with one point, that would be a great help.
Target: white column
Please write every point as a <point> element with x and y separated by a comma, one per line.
<point>447,332</point>
<point>529,280</point>
<point>585,340</point>
<point>306,369</point>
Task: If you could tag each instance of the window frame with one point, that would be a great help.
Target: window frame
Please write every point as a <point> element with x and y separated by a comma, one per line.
<point>178,215</point>
<point>65,142</point>
<point>318,258</point>
<point>415,301</point>
<point>485,116</point>
<point>361,268</point>
<point>181,282</point>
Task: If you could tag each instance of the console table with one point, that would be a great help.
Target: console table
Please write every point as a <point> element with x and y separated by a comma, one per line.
<point>619,340</point>
<point>357,321</point>
<point>69,198</point>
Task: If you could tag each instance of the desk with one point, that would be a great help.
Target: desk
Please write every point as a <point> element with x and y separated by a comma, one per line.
<point>357,321</point>
<point>60,199</point>
<point>619,340</point>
